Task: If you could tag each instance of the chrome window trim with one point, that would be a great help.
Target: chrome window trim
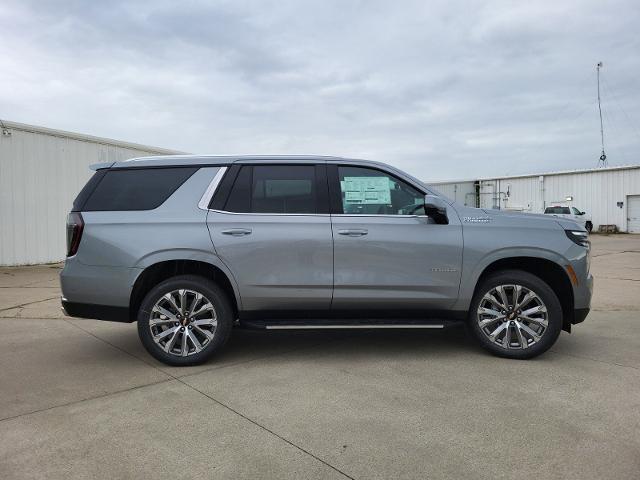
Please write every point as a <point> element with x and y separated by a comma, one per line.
<point>356,215</point>
<point>316,214</point>
<point>272,214</point>
<point>204,202</point>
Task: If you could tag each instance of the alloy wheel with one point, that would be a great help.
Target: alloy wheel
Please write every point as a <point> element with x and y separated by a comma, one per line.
<point>183,322</point>
<point>512,316</point>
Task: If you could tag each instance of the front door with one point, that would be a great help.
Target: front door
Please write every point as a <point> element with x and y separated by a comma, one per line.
<point>389,258</point>
<point>274,233</point>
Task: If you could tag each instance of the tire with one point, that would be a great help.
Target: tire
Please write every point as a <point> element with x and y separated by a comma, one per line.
<point>588,226</point>
<point>210,326</point>
<point>539,329</point>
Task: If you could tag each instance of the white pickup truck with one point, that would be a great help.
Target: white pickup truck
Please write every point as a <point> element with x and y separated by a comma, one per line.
<point>567,211</point>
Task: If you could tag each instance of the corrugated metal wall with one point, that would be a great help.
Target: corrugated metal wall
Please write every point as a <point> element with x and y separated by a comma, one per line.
<point>41,172</point>
<point>461,192</point>
<point>595,191</point>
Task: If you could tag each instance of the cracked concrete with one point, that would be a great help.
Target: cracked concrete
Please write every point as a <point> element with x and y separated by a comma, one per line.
<point>82,399</point>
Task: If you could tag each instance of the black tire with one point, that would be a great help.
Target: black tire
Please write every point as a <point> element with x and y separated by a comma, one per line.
<point>545,294</point>
<point>213,293</point>
<point>588,226</point>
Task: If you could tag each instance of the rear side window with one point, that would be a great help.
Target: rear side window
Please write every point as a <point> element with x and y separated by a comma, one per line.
<point>274,189</point>
<point>283,189</point>
<point>135,189</point>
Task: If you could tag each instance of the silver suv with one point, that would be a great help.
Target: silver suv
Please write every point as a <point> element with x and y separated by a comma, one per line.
<point>192,246</point>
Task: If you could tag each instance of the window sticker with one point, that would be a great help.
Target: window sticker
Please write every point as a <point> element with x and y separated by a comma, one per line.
<point>366,190</point>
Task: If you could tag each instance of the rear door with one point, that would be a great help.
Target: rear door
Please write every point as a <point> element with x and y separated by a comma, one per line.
<point>270,225</point>
<point>389,258</point>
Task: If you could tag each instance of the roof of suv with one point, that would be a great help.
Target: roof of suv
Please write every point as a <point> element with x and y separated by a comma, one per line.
<point>213,160</point>
<point>187,160</point>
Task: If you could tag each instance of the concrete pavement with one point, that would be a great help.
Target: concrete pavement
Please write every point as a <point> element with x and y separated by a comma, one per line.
<point>82,399</point>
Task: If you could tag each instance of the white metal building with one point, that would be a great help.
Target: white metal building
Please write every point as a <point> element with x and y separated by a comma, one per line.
<point>41,171</point>
<point>610,195</point>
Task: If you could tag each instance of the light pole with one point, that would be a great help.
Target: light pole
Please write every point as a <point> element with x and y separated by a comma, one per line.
<point>602,162</point>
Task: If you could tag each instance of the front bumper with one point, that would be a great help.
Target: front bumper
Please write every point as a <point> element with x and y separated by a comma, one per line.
<point>579,315</point>
<point>582,301</point>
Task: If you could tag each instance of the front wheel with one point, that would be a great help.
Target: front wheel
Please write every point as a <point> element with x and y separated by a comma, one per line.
<point>185,320</point>
<point>515,314</point>
<point>588,226</point>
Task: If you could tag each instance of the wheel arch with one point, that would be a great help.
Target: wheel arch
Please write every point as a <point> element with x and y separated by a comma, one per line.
<point>549,271</point>
<point>155,272</point>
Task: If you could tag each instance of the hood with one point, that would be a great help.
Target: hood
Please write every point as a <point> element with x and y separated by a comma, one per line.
<point>565,223</point>
<point>488,217</point>
<point>512,213</point>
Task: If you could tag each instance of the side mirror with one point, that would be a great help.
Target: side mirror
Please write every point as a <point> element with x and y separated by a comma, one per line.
<point>582,213</point>
<point>436,208</point>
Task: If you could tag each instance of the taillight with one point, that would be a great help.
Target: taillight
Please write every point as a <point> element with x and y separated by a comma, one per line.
<point>75,225</point>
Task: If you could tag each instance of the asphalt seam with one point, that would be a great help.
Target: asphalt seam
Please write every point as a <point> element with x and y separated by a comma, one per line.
<point>259,425</point>
<point>95,397</point>
<point>28,303</point>
<point>27,286</point>
<point>229,408</point>
<point>618,278</point>
<point>615,253</point>
<point>613,364</point>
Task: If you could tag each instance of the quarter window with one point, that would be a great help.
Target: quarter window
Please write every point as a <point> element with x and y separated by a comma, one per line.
<point>132,189</point>
<point>366,191</point>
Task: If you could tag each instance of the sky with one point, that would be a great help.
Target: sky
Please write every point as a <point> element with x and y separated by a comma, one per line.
<point>442,89</point>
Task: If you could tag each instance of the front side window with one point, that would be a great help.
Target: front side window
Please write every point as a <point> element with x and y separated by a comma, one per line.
<point>274,189</point>
<point>365,191</point>
<point>576,211</point>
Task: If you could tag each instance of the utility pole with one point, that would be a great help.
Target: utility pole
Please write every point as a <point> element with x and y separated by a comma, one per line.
<point>602,161</point>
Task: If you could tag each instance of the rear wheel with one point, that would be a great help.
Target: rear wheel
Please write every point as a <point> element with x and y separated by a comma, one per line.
<point>515,314</point>
<point>185,320</point>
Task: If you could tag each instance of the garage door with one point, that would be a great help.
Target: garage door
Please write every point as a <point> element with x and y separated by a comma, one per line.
<point>633,213</point>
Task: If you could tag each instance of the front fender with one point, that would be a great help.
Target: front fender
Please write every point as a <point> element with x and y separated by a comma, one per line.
<point>472,272</point>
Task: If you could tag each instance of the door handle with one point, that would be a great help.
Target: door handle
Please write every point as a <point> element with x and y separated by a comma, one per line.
<point>354,232</point>
<point>237,232</point>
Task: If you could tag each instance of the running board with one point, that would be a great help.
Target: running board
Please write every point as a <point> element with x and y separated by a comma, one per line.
<point>354,326</point>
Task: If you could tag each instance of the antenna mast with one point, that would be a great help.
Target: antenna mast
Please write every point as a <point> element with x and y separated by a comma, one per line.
<point>602,161</point>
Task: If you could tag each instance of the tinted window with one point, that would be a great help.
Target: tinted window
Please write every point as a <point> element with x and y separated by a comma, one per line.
<point>371,192</point>
<point>136,189</point>
<point>558,210</point>
<point>274,189</point>
<point>90,186</point>
<point>576,211</point>
<point>240,196</point>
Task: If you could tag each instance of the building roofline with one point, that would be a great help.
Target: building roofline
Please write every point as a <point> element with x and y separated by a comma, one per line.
<point>23,127</point>
<point>543,174</point>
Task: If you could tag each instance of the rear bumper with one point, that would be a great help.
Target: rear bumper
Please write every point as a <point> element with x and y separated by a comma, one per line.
<point>96,312</point>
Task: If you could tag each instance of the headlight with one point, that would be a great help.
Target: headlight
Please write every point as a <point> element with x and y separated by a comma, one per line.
<point>579,237</point>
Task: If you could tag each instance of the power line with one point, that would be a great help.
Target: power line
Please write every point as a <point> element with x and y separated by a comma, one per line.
<point>615,99</point>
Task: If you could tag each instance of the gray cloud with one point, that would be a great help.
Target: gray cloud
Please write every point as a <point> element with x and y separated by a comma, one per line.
<point>442,89</point>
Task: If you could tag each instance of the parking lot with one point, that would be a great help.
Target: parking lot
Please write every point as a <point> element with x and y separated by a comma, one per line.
<point>82,399</point>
